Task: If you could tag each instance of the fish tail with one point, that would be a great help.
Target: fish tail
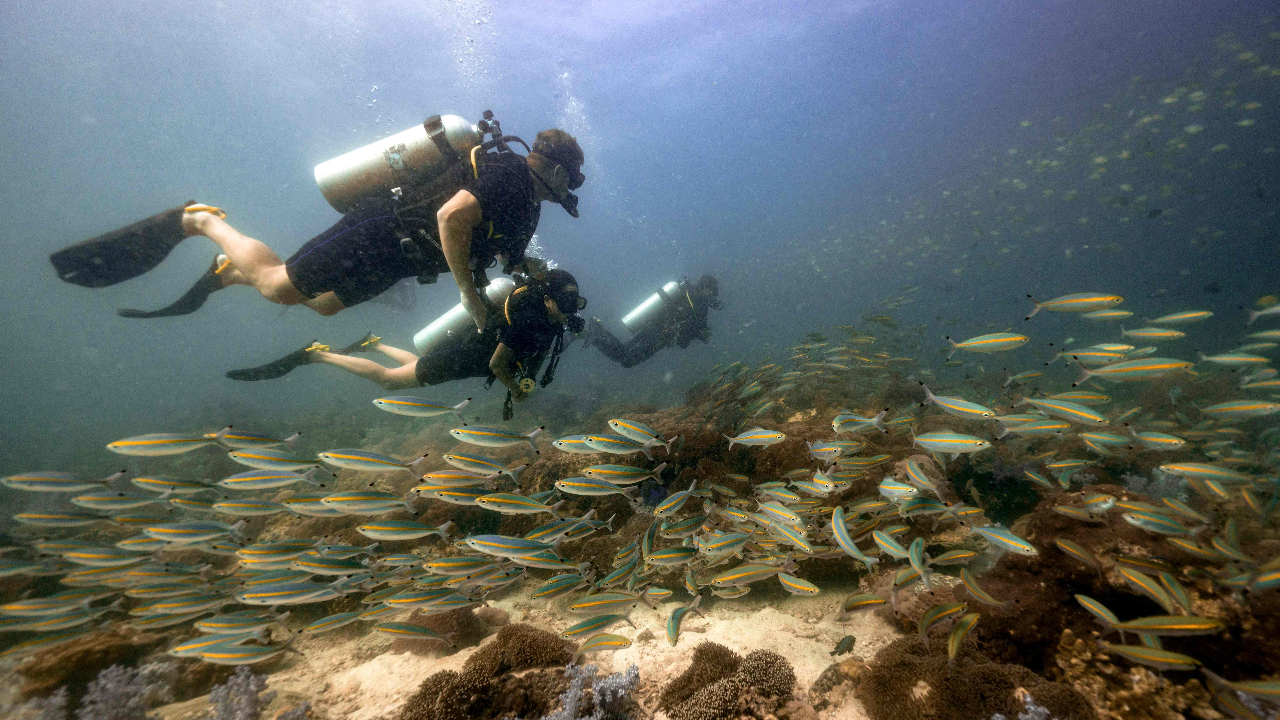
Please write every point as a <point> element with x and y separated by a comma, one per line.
<point>726,437</point>
<point>220,436</point>
<point>1253,315</point>
<point>954,346</point>
<point>657,472</point>
<point>1085,373</point>
<point>446,530</point>
<point>878,421</point>
<point>457,409</point>
<point>1034,310</point>
<point>534,434</point>
<point>292,440</point>
<point>415,467</point>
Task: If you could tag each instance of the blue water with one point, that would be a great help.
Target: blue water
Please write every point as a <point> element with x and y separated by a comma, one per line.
<point>816,157</point>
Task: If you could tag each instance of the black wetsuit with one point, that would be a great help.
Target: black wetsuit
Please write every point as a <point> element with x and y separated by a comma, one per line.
<point>521,324</point>
<point>684,319</point>
<point>361,256</point>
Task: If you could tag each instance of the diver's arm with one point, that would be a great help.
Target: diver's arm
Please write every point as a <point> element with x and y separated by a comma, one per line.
<point>456,219</point>
<point>500,366</point>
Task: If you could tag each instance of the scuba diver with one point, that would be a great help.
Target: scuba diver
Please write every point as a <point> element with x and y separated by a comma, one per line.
<point>435,198</point>
<point>524,328</point>
<point>674,315</point>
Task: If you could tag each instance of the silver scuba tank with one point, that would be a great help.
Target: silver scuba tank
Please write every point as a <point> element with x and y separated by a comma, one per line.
<point>652,307</point>
<point>411,157</point>
<point>456,320</point>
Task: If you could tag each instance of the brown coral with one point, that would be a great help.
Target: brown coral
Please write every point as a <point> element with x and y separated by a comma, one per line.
<point>518,647</point>
<point>909,680</point>
<point>484,689</point>
<point>711,662</point>
<point>718,700</point>
<point>461,626</point>
<point>1126,691</point>
<point>79,661</point>
<point>768,672</point>
<point>718,685</point>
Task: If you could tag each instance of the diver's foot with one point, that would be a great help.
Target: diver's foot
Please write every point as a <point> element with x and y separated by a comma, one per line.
<point>196,216</point>
<point>364,344</point>
<point>283,366</point>
<point>210,282</point>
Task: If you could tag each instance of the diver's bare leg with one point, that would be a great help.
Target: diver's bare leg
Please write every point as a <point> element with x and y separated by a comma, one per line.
<point>256,265</point>
<point>396,378</point>
<point>404,357</point>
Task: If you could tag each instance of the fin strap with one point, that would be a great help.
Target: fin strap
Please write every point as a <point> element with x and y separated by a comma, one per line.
<point>222,215</point>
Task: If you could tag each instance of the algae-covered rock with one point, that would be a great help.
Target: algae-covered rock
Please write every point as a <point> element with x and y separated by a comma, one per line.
<point>909,680</point>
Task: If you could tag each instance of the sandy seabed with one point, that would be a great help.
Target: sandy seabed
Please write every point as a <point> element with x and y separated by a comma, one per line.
<point>354,675</point>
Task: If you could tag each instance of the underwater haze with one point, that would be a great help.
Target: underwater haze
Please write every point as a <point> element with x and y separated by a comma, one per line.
<point>813,156</point>
<point>993,356</point>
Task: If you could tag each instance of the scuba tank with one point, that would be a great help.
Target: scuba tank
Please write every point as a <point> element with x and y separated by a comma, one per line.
<point>653,306</point>
<point>410,157</point>
<point>456,320</point>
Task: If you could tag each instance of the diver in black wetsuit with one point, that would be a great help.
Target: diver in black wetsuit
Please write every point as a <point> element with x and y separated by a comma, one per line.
<point>520,334</point>
<point>483,210</point>
<point>682,318</point>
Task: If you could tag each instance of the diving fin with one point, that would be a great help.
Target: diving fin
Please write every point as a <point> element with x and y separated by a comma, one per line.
<point>191,300</point>
<point>121,254</point>
<point>364,344</point>
<point>278,368</point>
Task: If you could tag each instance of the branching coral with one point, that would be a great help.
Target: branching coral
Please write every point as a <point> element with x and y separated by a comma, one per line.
<point>241,697</point>
<point>610,696</point>
<point>123,693</point>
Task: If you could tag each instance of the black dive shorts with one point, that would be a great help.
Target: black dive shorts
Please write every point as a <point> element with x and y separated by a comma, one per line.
<point>357,259</point>
<point>466,358</point>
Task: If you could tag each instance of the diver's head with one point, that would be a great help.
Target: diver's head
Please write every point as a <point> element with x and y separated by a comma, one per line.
<point>563,299</point>
<point>708,288</point>
<point>556,161</point>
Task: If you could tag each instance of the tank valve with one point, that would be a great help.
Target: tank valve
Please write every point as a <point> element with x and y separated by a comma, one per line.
<point>527,385</point>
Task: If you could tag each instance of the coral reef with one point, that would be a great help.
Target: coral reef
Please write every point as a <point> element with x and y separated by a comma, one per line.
<point>768,672</point>
<point>241,696</point>
<point>124,693</point>
<point>461,626</point>
<point>486,688</point>
<point>711,662</point>
<point>909,680</point>
<point>757,686</point>
<point>610,697</point>
<point>519,647</point>
<point>1127,691</point>
<point>1159,485</point>
<point>53,707</point>
<point>299,712</point>
<point>75,664</point>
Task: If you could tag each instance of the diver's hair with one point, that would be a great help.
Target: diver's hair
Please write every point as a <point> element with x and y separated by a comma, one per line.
<point>559,147</point>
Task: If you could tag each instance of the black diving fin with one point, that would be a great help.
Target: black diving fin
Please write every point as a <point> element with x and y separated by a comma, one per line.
<point>191,300</point>
<point>281,367</point>
<point>121,254</point>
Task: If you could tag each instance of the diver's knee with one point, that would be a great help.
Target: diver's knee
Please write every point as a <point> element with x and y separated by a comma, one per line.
<point>325,304</point>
